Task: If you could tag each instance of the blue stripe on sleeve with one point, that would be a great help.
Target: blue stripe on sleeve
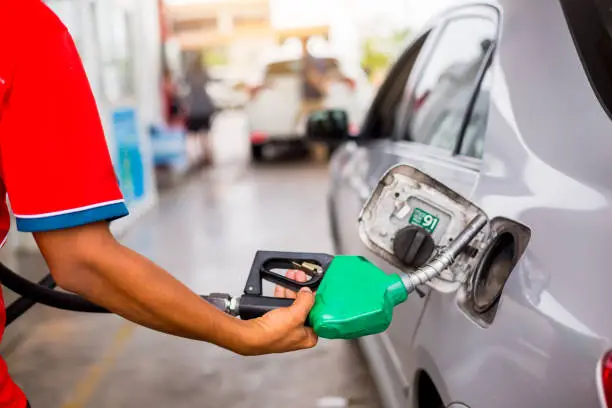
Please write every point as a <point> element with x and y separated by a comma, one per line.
<point>74,219</point>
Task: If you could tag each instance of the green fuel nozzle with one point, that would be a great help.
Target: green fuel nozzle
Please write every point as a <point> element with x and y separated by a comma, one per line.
<point>357,299</point>
<point>354,297</point>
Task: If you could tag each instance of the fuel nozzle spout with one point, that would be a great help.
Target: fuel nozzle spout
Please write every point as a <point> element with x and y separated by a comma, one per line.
<point>246,306</point>
<point>446,257</point>
<point>224,302</point>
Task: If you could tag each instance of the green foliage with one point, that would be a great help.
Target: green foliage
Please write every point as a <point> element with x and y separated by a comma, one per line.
<point>378,53</point>
<point>215,57</point>
<point>373,58</point>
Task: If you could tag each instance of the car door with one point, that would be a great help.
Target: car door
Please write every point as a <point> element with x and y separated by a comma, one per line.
<point>430,125</point>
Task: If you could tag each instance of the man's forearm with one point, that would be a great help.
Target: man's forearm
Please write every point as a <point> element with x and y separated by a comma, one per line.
<point>134,287</point>
<point>130,285</point>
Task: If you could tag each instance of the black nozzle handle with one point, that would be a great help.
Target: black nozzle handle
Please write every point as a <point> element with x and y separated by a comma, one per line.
<point>252,307</point>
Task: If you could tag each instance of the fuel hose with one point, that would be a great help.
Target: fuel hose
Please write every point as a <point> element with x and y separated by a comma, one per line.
<point>42,292</point>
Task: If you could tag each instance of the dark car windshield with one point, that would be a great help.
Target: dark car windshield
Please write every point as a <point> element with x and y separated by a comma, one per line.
<point>590,22</point>
<point>295,66</point>
<point>283,68</point>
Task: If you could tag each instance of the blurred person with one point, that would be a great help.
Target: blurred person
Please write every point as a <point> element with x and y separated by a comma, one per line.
<point>200,109</point>
<point>314,84</point>
<point>316,80</point>
<point>173,107</point>
<point>62,187</point>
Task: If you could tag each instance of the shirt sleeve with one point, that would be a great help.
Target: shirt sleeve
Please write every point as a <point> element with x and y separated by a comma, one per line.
<point>56,166</point>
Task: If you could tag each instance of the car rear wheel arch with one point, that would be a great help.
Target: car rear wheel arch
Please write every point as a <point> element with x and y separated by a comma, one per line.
<point>427,394</point>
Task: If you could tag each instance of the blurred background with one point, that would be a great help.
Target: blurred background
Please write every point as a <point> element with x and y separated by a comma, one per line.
<point>204,105</point>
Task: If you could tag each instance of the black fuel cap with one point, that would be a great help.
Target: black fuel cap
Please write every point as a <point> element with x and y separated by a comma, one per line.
<point>413,245</point>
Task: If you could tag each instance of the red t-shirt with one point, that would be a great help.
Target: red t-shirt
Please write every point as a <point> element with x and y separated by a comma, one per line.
<point>55,167</point>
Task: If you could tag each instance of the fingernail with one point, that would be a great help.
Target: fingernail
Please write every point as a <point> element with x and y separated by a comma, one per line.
<point>306,290</point>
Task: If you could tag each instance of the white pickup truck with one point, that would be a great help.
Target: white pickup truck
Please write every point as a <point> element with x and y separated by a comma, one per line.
<point>273,110</point>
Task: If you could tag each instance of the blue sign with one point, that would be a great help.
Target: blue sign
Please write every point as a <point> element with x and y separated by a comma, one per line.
<point>168,145</point>
<point>129,164</point>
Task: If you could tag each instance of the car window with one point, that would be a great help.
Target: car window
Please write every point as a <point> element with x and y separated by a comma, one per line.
<point>472,144</point>
<point>382,121</point>
<point>440,98</point>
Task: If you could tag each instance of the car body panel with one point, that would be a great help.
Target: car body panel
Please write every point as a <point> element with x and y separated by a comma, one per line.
<point>548,149</point>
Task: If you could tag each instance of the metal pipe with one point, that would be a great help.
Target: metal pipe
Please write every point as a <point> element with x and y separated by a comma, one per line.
<point>224,302</point>
<point>446,257</point>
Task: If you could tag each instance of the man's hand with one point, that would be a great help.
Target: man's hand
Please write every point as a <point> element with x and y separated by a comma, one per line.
<point>282,292</point>
<point>283,329</point>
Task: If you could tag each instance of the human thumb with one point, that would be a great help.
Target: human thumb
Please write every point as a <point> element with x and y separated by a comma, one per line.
<point>303,303</point>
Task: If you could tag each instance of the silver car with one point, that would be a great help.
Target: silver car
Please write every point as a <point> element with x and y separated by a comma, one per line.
<point>509,104</point>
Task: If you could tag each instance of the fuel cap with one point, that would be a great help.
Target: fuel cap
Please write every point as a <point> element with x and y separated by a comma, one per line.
<point>413,245</point>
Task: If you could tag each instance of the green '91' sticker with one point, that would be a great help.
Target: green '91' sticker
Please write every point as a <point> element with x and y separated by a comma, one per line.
<point>424,219</point>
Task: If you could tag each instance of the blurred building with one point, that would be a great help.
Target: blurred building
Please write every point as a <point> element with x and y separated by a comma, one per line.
<point>232,34</point>
<point>119,42</point>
